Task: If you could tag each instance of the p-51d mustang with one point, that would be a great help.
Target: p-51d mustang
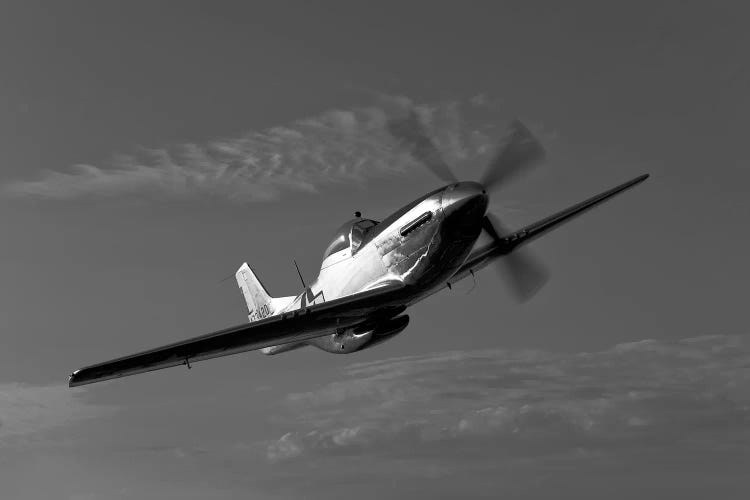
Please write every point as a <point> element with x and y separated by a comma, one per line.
<point>373,271</point>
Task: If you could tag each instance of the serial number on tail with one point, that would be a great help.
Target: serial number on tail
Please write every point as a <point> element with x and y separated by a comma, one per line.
<point>260,313</point>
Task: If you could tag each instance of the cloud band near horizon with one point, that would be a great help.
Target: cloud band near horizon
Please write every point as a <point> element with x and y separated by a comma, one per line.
<point>684,397</point>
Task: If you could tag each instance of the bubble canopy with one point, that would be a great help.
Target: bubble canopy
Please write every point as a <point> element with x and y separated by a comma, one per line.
<point>350,234</point>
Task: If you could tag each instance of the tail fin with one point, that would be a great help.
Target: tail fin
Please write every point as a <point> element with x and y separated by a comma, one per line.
<point>259,304</point>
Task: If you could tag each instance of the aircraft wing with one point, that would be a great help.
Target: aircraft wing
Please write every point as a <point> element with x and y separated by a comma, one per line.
<point>294,326</point>
<point>506,244</point>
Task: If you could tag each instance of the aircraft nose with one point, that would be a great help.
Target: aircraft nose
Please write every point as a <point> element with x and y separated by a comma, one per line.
<point>465,199</point>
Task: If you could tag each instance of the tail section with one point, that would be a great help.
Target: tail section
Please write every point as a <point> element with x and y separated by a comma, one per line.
<point>260,305</point>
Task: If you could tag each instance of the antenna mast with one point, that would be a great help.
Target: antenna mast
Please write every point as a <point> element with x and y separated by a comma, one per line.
<point>300,275</point>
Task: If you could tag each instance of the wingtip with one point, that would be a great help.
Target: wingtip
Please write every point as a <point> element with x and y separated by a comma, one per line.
<point>74,380</point>
<point>636,180</point>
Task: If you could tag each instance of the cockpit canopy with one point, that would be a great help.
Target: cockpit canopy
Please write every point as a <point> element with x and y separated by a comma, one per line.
<point>351,234</point>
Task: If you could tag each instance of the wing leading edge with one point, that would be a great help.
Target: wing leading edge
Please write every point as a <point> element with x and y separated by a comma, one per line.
<point>294,326</point>
<point>506,244</point>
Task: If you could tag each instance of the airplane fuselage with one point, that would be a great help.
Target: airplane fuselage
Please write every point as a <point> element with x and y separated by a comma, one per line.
<point>421,245</point>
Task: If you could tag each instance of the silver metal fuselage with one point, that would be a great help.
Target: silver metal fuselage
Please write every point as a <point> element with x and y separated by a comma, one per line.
<point>421,245</point>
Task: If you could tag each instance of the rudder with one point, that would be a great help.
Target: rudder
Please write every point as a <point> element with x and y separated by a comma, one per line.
<point>260,304</point>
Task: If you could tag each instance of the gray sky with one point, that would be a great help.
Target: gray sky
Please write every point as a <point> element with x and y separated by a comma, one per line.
<point>147,150</point>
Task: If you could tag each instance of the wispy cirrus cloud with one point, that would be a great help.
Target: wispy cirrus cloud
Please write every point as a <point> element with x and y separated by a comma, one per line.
<point>340,145</point>
<point>677,397</point>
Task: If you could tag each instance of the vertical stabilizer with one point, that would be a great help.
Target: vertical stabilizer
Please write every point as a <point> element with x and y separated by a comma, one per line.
<point>259,303</point>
